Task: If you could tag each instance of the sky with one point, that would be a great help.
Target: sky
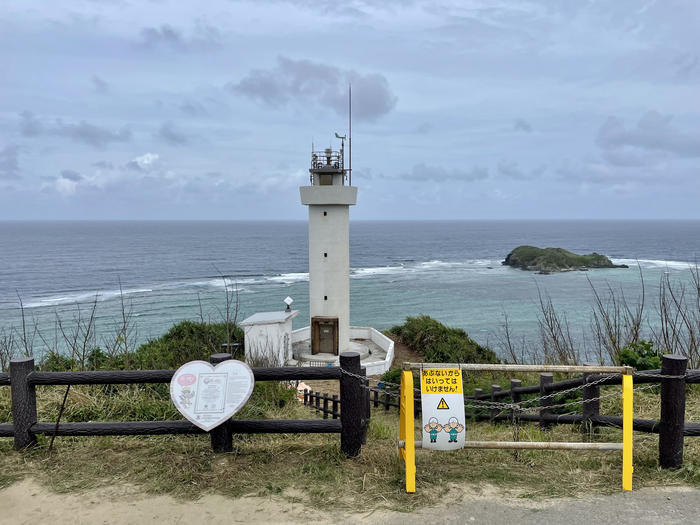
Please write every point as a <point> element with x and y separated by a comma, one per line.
<point>493,109</point>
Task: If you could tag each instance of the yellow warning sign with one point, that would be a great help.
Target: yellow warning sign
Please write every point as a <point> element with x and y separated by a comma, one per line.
<point>441,381</point>
<point>442,405</point>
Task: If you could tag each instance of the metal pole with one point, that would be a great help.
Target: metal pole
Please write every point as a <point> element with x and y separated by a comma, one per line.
<point>350,134</point>
<point>406,430</point>
<point>627,434</point>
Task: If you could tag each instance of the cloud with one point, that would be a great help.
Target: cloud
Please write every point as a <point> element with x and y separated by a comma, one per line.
<point>9,162</point>
<point>522,125</point>
<point>71,175</point>
<point>29,125</point>
<point>512,170</point>
<point>653,133</point>
<point>170,134</point>
<point>193,109</point>
<point>424,128</point>
<point>104,164</point>
<point>306,82</point>
<point>90,134</point>
<point>143,162</point>
<point>99,85</point>
<point>166,36</point>
<point>424,172</point>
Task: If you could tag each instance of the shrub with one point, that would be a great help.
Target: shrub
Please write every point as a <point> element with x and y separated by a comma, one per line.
<point>392,376</point>
<point>186,341</point>
<point>441,344</point>
<point>641,355</point>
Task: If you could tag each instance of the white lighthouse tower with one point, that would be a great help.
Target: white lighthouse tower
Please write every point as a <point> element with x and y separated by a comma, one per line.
<point>329,199</point>
<point>269,335</point>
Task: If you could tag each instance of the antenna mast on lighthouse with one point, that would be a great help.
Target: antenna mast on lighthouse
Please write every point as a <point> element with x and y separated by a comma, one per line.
<point>350,134</point>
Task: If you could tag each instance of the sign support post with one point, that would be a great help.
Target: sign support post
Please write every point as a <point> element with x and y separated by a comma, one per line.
<point>627,431</point>
<point>406,429</point>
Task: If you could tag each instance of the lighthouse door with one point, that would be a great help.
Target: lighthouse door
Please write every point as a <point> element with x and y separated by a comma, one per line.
<point>324,338</point>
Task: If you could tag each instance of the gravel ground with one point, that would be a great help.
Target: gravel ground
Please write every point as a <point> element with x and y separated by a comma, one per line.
<point>27,502</point>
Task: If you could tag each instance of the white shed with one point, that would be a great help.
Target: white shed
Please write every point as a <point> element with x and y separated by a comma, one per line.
<point>268,338</point>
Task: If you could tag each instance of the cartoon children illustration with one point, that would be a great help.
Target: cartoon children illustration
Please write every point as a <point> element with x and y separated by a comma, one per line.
<point>453,428</point>
<point>186,396</point>
<point>433,427</point>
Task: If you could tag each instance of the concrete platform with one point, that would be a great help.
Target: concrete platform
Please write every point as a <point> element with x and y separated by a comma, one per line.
<point>375,349</point>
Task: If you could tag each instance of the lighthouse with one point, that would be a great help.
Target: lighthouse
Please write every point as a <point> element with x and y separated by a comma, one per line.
<point>329,196</point>
<point>269,336</point>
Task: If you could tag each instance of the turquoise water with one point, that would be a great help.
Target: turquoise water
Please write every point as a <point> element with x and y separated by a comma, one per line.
<point>170,271</point>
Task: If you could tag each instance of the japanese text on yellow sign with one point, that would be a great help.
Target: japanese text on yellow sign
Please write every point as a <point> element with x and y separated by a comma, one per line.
<point>441,381</point>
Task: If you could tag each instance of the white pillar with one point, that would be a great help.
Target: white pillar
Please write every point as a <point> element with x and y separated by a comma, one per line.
<point>329,254</point>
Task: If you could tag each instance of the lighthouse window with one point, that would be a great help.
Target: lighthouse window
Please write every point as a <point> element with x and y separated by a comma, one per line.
<point>325,213</point>
<point>325,297</point>
<point>325,254</point>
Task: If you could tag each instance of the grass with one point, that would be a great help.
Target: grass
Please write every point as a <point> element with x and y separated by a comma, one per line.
<point>310,468</point>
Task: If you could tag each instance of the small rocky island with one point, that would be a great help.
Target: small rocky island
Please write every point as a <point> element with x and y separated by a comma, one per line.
<point>549,260</point>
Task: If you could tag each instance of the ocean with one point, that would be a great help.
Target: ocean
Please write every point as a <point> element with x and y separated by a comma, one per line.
<point>451,270</point>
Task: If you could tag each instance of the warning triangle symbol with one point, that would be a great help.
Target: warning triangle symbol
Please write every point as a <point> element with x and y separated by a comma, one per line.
<point>442,405</point>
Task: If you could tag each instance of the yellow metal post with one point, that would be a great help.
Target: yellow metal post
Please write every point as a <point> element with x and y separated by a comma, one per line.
<point>406,429</point>
<point>627,436</point>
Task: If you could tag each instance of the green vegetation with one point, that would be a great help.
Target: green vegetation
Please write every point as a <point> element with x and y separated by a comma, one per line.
<point>555,260</point>
<point>641,355</point>
<point>185,341</point>
<point>439,343</point>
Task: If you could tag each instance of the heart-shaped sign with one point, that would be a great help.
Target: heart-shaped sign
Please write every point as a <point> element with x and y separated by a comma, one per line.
<point>209,395</point>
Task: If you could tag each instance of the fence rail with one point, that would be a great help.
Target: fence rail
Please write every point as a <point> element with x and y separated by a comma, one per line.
<point>23,380</point>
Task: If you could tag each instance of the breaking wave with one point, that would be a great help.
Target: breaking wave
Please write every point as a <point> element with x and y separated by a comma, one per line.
<point>655,263</point>
<point>247,283</point>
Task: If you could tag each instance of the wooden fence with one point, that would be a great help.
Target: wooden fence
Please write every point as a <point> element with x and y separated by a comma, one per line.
<point>23,379</point>
<point>671,427</point>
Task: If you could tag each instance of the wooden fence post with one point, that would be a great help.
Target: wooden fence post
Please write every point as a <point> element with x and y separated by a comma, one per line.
<point>515,397</point>
<point>334,405</point>
<point>545,379</point>
<point>23,402</point>
<point>477,393</point>
<point>317,402</point>
<point>325,406</point>
<point>494,411</point>
<point>352,401</point>
<point>221,436</point>
<point>306,397</point>
<point>672,412</point>
<point>386,400</point>
<point>375,398</point>
<point>590,408</point>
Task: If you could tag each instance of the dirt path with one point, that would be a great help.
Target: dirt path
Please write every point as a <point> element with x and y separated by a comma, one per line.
<point>27,502</point>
